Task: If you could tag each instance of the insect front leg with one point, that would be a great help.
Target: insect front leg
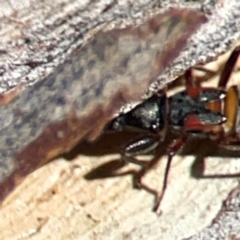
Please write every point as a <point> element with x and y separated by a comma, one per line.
<point>146,144</point>
<point>172,150</point>
<point>141,145</point>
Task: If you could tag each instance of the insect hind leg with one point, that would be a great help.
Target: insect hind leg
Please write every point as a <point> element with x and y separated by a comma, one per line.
<point>228,68</point>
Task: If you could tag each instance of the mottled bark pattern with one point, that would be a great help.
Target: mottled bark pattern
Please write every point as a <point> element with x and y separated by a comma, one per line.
<point>84,93</point>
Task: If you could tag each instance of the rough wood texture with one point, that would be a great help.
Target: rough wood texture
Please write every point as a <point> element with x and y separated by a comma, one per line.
<point>68,207</point>
<point>87,90</point>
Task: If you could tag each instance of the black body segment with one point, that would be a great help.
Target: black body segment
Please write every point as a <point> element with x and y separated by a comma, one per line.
<point>147,116</point>
<point>181,105</point>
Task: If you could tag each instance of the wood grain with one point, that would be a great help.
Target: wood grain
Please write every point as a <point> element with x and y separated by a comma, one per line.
<point>87,91</point>
<point>56,202</point>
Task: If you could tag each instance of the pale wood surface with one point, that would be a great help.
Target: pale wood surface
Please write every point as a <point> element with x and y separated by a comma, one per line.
<point>56,202</point>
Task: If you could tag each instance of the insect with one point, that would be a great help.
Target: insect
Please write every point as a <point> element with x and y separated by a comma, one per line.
<point>195,112</point>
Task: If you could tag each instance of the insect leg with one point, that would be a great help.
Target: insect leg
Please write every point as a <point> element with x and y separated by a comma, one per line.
<point>140,145</point>
<point>193,89</point>
<point>231,101</point>
<point>171,152</point>
<point>228,68</point>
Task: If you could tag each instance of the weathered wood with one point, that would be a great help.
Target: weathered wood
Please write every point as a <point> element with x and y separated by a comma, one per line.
<point>73,208</point>
<point>86,91</point>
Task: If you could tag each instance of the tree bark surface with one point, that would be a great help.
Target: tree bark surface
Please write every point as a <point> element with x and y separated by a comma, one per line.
<point>57,201</point>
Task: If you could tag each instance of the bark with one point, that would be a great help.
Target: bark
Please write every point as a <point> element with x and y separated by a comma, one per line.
<point>53,46</point>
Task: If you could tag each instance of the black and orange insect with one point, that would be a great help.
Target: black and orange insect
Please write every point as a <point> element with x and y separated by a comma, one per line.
<point>197,111</point>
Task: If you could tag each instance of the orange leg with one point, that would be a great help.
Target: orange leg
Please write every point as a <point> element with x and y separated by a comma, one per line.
<point>171,152</point>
